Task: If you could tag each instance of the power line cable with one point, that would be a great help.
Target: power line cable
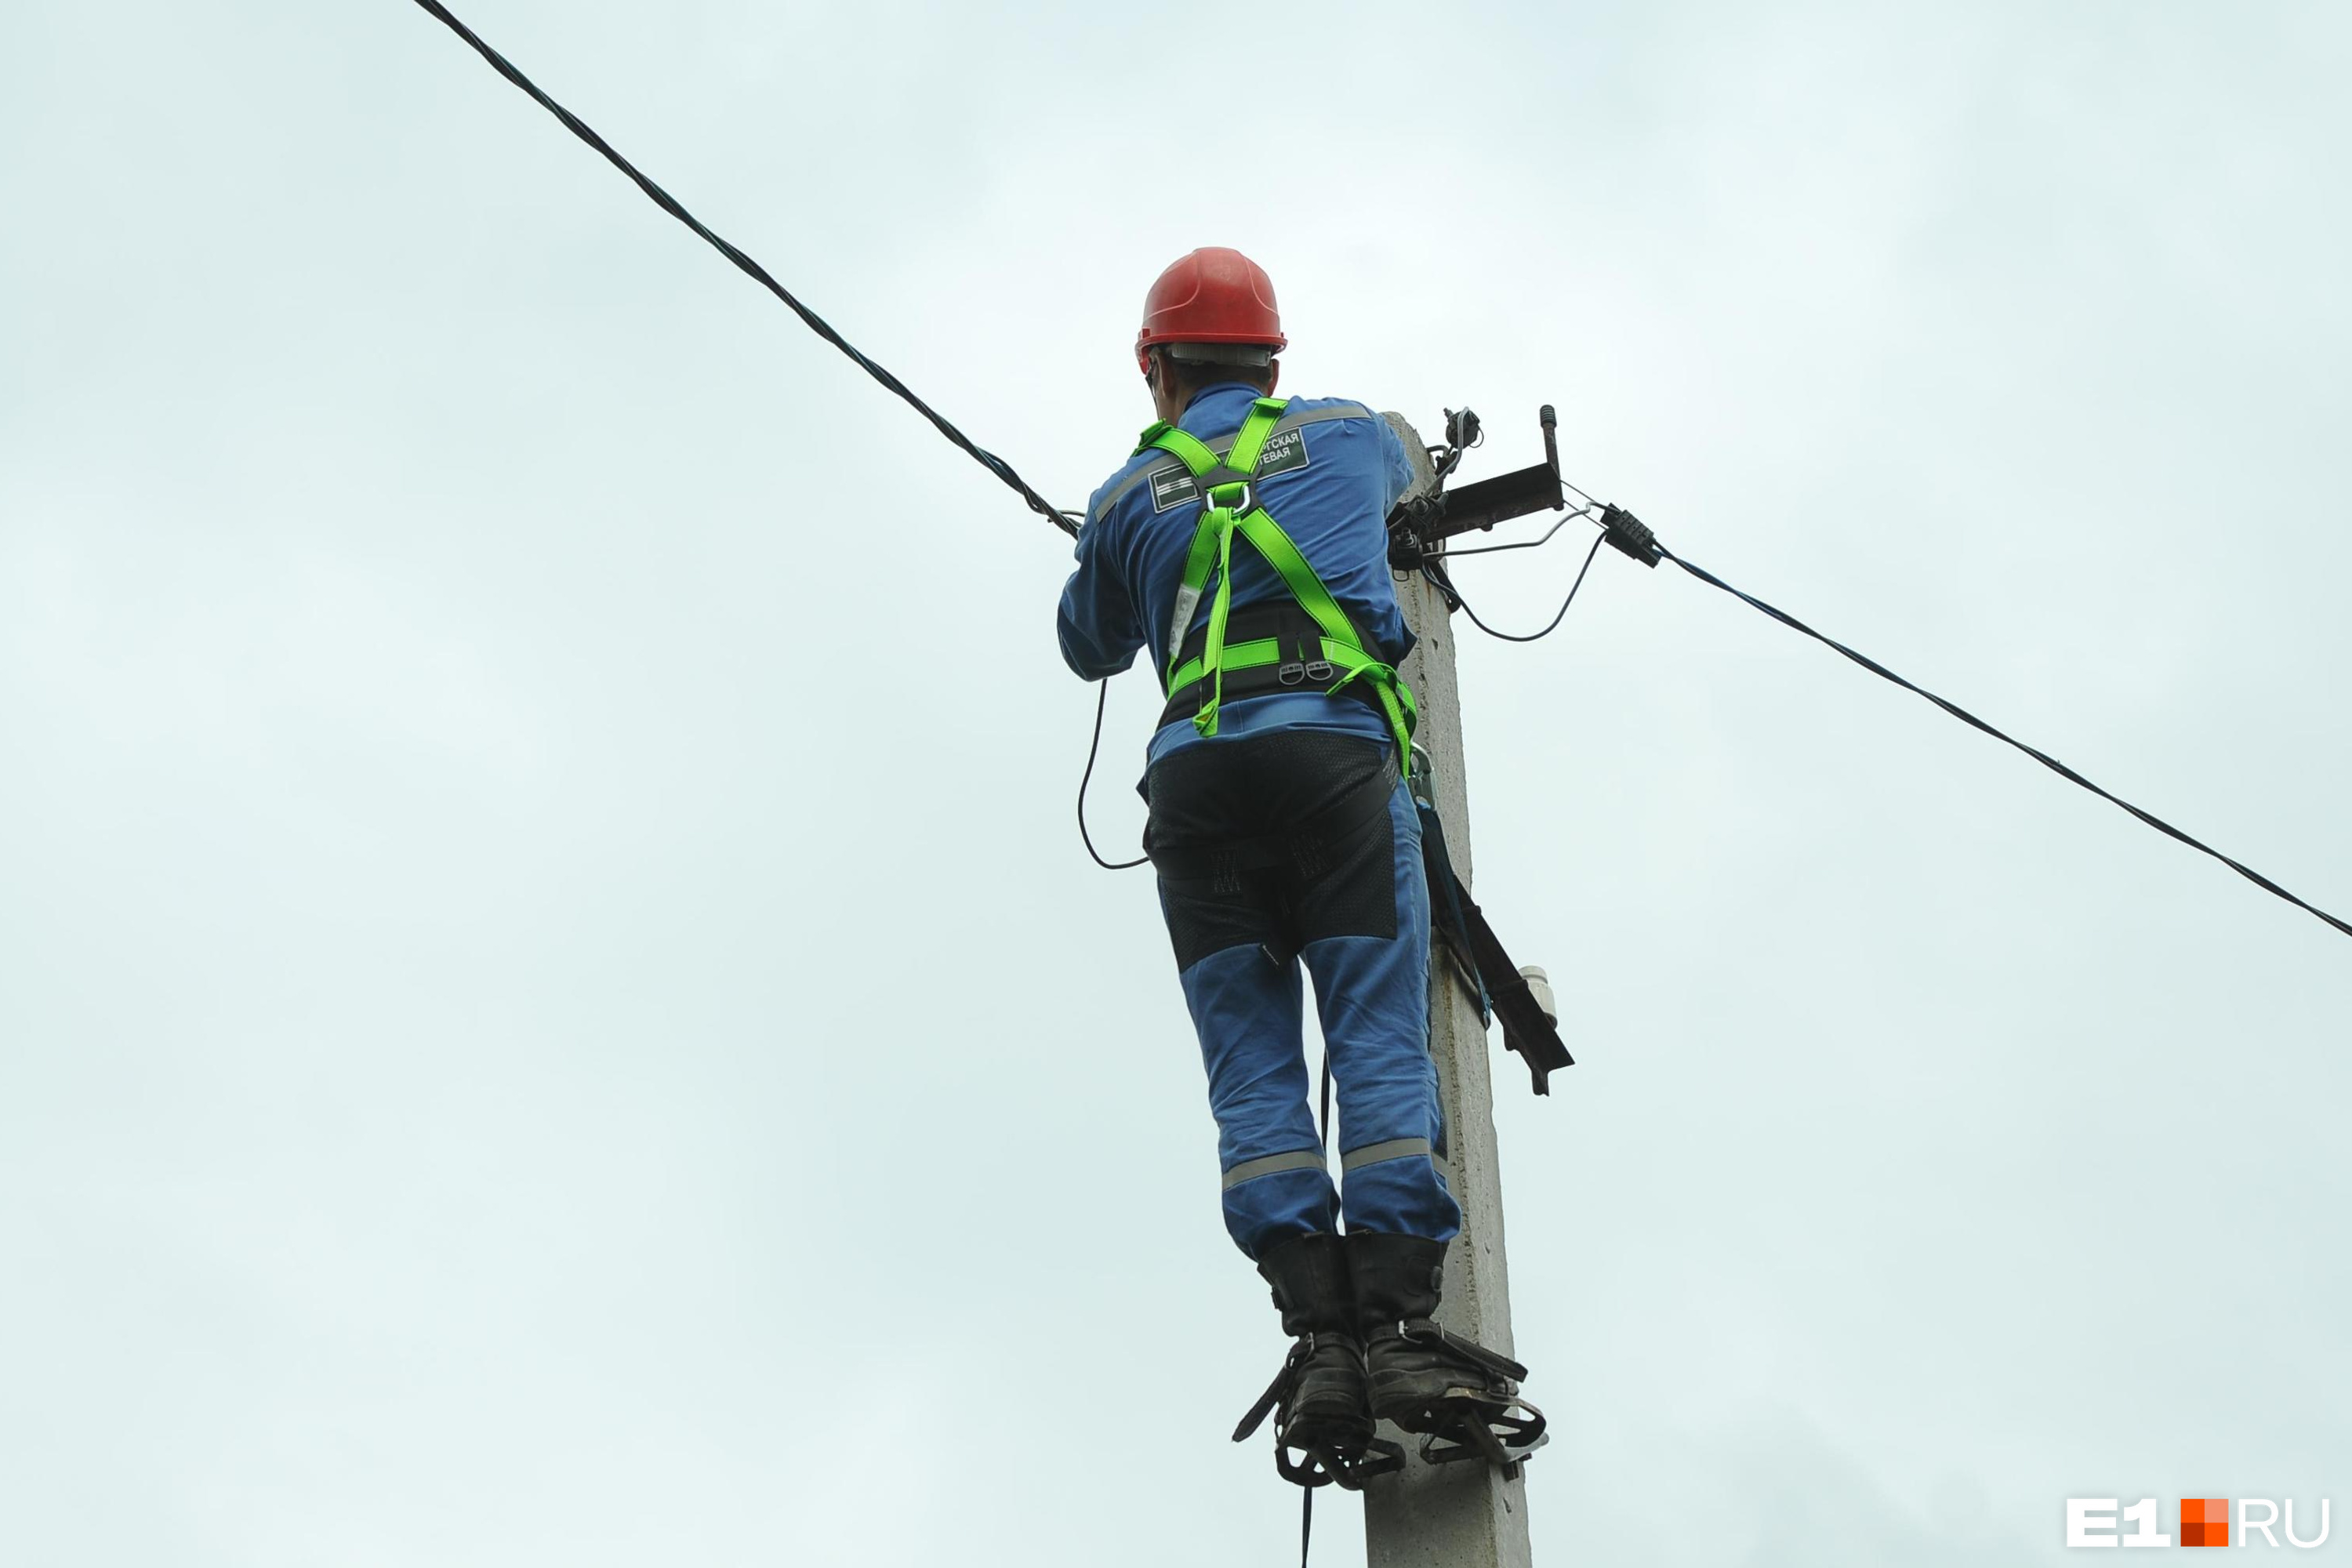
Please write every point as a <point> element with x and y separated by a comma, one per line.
<point>1638,538</point>
<point>1444,582</point>
<point>1535,543</point>
<point>1636,541</point>
<point>1102,699</point>
<point>759,274</point>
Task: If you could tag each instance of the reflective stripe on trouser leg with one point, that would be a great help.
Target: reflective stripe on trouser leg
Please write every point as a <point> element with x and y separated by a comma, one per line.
<point>1372,995</point>
<point>1246,1011</point>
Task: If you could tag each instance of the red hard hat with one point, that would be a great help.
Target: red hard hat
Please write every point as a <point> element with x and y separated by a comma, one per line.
<point>1212,296</point>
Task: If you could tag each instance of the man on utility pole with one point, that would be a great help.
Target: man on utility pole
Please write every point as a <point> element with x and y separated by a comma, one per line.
<point>1283,829</point>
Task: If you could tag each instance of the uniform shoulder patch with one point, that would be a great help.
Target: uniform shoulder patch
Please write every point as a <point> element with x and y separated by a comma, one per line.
<point>1170,486</point>
<point>1286,452</point>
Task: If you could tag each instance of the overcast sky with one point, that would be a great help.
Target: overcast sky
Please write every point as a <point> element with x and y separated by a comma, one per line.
<point>552,1009</point>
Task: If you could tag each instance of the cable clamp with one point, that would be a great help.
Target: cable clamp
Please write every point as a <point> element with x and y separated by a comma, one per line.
<point>1629,534</point>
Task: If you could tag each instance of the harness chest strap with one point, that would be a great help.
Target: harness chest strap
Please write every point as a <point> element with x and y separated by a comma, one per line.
<point>1229,506</point>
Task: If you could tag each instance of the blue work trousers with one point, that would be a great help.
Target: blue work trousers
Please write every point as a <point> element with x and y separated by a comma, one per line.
<point>1304,845</point>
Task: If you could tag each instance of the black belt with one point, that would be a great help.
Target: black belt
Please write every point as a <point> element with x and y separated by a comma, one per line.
<point>1302,666</point>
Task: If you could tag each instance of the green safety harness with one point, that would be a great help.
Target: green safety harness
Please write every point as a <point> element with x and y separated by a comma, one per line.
<point>1230,505</point>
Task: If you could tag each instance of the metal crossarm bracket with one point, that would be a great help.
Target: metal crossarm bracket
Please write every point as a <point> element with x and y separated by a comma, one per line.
<point>1417,524</point>
<point>1527,1029</point>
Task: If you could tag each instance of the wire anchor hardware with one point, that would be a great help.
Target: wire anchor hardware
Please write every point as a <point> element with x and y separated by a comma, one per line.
<point>1629,534</point>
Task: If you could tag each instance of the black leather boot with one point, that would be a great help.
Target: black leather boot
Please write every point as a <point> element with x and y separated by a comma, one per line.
<point>1461,1396</point>
<point>1396,1278</point>
<point>1325,1405</point>
<point>1318,1397</point>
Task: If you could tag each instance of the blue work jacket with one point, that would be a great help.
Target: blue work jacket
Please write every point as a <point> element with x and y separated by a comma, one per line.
<point>1332,472</point>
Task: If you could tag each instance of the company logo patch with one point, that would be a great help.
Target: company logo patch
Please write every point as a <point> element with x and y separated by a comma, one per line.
<point>2204,1522</point>
<point>1285,452</point>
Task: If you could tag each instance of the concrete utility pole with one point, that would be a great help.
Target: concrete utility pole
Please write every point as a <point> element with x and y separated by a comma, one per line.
<point>1462,1515</point>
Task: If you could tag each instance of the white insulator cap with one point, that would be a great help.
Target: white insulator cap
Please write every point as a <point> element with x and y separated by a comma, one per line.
<point>1539,986</point>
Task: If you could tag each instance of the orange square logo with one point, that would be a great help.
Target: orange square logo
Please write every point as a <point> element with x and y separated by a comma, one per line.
<point>2204,1522</point>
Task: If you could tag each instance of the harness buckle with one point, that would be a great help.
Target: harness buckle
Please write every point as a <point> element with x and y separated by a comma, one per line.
<point>1291,674</point>
<point>1232,483</point>
<point>1246,504</point>
<point>1421,778</point>
<point>1320,669</point>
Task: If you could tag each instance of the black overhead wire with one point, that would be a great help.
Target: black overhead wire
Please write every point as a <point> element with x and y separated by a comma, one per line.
<point>1102,699</point>
<point>1962,714</point>
<point>1535,543</point>
<point>1621,528</point>
<point>759,274</point>
<point>1433,569</point>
